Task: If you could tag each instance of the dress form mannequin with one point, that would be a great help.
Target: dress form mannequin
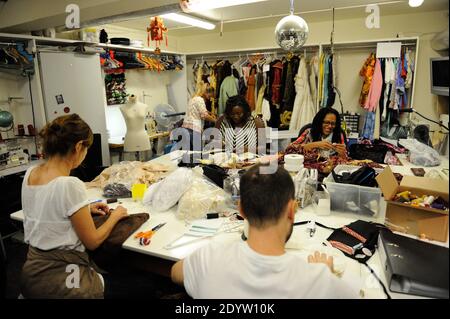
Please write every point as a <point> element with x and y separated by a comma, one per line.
<point>136,138</point>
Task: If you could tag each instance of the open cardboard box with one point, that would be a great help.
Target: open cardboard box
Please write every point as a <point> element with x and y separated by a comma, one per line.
<point>419,221</point>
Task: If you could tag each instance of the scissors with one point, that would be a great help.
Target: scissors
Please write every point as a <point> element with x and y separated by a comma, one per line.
<point>144,237</point>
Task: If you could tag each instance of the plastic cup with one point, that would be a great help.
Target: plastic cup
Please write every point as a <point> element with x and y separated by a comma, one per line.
<point>138,191</point>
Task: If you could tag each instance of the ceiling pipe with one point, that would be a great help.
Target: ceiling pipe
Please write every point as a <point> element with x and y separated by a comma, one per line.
<point>134,15</point>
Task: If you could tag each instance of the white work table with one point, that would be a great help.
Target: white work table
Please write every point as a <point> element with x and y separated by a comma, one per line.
<point>300,243</point>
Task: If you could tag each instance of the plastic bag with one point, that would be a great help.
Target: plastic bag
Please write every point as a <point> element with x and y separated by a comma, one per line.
<point>116,190</point>
<point>305,182</point>
<point>201,198</point>
<point>421,154</point>
<point>129,173</point>
<point>163,195</point>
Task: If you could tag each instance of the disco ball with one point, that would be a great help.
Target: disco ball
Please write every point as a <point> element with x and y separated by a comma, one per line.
<point>291,32</point>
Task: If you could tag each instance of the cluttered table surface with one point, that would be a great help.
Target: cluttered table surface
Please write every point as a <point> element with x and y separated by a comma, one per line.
<point>174,240</point>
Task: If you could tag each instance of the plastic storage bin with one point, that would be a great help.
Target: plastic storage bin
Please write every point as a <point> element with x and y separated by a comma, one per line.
<point>358,201</point>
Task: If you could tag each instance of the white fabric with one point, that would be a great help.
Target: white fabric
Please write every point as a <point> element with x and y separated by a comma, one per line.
<point>410,63</point>
<point>324,152</point>
<point>266,111</point>
<point>304,111</point>
<point>47,209</point>
<point>163,195</point>
<point>236,271</point>
<point>313,75</point>
<point>202,197</point>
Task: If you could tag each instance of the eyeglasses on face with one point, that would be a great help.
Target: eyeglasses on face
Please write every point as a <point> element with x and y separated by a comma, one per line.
<point>332,124</point>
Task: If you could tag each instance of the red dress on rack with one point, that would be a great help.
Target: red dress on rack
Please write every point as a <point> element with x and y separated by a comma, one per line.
<point>251,83</point>
<point>276,84</point>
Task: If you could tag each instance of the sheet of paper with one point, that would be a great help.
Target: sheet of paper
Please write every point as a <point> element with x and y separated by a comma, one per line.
<point>389,49</point>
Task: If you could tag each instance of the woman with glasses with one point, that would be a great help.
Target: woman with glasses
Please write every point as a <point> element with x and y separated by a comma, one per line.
<point>325,137</point>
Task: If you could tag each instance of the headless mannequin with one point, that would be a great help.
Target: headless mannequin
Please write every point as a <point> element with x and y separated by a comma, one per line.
<point>136,138</point>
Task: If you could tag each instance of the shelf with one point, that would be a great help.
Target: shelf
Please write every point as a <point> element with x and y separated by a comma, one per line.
<point>16,69</point>
<point>23,137</point>
<point>134,49</point>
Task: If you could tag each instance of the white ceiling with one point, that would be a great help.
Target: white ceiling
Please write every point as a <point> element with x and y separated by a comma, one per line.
<point>267,13</point>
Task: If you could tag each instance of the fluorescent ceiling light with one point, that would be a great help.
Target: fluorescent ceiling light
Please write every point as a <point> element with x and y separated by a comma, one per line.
<point>182,18</point>
<point>203,5</point>
<point>415,3</point>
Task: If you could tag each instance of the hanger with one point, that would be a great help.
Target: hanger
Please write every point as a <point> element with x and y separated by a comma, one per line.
<point>8,52</point>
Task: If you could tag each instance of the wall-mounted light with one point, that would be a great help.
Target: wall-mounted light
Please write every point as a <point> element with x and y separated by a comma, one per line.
<point>415,3</point>
<point>203,5</point>
<point>182,18</point>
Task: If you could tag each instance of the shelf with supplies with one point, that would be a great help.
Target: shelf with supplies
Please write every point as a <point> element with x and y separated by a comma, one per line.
<point>19,137</point>
<point>19,144</point>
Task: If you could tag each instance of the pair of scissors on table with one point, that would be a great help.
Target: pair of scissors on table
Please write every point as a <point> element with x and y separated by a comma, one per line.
<point>145,237</point>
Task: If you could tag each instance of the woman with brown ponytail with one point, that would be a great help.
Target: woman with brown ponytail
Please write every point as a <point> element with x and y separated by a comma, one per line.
<point>58,225</point>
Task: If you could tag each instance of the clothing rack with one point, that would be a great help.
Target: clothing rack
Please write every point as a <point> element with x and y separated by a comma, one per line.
<point>9,44</point>
<point>343,47</point>
<point>241,54</point>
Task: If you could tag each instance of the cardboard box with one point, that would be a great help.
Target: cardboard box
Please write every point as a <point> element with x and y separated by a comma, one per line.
<point>433,223</point>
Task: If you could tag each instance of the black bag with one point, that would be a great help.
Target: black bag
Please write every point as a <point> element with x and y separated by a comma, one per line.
<point>364,176</point>
<point>215,173</point>
<point>357,240</point>
<point>120,41</point>
<point>376,153</point>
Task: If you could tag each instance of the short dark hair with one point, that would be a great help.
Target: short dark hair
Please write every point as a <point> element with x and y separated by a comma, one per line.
<point>264,196</point>
<point>62,134</point>
<point>316,128</point>
<point>237,100</point>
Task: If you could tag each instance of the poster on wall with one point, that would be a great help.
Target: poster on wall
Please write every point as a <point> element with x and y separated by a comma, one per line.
<point>115,85</point>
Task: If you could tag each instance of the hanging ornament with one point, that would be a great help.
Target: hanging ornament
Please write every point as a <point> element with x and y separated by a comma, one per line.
<point>291,32</point>
<point>156,31</point>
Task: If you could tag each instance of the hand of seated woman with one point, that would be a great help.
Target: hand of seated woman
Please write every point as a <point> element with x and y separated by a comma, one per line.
<point>340,149</point>
<point>326,145</point>
<point>99,209</point>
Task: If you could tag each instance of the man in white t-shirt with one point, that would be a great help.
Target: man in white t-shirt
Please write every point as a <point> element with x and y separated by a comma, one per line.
<point>260,267</point>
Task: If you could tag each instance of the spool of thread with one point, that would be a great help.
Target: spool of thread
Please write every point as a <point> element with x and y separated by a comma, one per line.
<point>293,162</point>
<point>429,200</point>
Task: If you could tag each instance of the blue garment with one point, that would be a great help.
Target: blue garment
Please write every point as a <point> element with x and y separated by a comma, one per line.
<point>400,94</point>
<point>326,73</point>
<point>369,126</point>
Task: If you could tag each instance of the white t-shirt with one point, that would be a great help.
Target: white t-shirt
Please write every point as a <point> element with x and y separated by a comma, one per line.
<point>47,209</point>
<point>235,271</point>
